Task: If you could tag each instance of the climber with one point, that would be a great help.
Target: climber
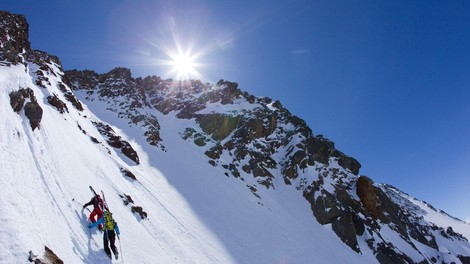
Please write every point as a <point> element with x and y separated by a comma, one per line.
<point>98,207</point>
<point>110,229</point>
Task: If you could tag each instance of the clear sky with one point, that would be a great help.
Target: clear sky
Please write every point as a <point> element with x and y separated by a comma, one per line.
<point>387,81</point>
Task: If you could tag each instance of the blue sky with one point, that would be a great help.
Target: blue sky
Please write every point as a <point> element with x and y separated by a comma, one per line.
<point>387,81</point>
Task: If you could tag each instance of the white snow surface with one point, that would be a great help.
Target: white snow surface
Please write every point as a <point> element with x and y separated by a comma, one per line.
<point>195,213</point>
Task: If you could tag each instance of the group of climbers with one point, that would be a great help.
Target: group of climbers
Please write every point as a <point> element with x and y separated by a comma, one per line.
<point>103,218</point>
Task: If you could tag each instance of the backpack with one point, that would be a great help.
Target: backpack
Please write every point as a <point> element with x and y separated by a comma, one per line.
<point>108,221</point>
<point>98,203</point>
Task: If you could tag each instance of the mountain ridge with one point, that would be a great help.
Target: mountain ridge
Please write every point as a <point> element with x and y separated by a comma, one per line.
<point>254,140</point>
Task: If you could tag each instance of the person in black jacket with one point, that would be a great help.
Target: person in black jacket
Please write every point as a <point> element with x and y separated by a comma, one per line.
<point>98,207</point>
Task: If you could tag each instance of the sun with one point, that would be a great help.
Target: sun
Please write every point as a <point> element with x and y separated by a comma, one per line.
<point>183,65</point>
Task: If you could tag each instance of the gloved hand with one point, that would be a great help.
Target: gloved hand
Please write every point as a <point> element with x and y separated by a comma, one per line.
<point>84,206</point>
<point>89,225</point>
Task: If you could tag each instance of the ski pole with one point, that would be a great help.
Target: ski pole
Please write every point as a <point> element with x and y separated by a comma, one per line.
<point>120,249</point>
<point>73,200</point>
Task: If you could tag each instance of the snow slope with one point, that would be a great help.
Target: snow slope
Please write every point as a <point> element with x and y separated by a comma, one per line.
<point>194,214</point>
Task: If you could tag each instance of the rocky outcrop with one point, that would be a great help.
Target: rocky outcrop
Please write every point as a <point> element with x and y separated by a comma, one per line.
<point>17,99</point>
<point>14,32</point>
<point>14,39</point>
<point>128,173</point>
<point>49,257</point>
<point>32,109</point>
<point>368,195</point>
<point>57,103</point>
<point>118,83</point>
<point>116,141</point>
<point>33,112</point>
<point>218,126</point>
<point>127,199</point>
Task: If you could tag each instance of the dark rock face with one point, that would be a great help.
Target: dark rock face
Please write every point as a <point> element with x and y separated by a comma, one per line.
<point>14,32</point>
<point>140,211</point>
<point>17,100</point>
<point>368,195</point>
<point>216,125</point>
<point>75,102</point>
<point>14,37</point>
<point>33,112</point>
<point>49,257</point>
<point>119,83</point>
<point>128,174</point>
<point>344,228</point>
<point>58,104</point>
<point>43,59</point>
<point>127,199</point>
<point>115,141</point>
<point>32,109</point>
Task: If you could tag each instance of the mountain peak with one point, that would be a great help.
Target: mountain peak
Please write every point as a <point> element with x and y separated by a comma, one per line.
<point>224,176</point>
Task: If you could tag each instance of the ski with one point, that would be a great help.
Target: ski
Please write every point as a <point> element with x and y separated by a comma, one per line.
<point>104,201</point>
<point>92,190</point>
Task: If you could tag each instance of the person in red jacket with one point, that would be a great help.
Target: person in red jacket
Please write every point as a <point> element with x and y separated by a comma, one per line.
<point>98,207</point>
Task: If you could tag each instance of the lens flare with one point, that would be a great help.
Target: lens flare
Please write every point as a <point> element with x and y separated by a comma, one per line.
<point>183,66</point>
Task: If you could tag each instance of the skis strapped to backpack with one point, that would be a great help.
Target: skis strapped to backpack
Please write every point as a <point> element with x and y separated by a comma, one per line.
<point>103,199</point>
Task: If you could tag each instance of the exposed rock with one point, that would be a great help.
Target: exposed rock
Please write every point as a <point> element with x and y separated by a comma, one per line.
<point>127,199</point>
<point>368,195</point>
<point>49,257</point>
<point>17,101</point>
<point>128,173</point>
<point>324,208</point>
<point>214,152</point>
<point>319,149</point>
<point>33,112</point>
<point>140,211</point>
<point>14,39</point>
<point>387,254</point>
<point>75,102</point>
<point>86,79</point>
<point>57,103</point>
<point>32,109</point>
<point>464,259</point>
<point>219,126</point>
<point>116,141</point>
<point>43,59</point>
<point>345,229</point>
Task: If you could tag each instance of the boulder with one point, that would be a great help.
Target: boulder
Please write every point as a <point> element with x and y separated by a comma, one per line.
<point>368,196</point>
<point>33,112</point>
<point>17,101</point>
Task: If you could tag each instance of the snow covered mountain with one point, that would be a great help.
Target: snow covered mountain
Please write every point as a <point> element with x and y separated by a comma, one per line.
<point>193,173</point>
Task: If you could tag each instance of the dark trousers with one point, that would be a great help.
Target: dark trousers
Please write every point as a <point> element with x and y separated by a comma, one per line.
<point>109,237</point>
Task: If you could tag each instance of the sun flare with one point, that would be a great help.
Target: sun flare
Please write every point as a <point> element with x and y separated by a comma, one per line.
<point>183,65</point>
